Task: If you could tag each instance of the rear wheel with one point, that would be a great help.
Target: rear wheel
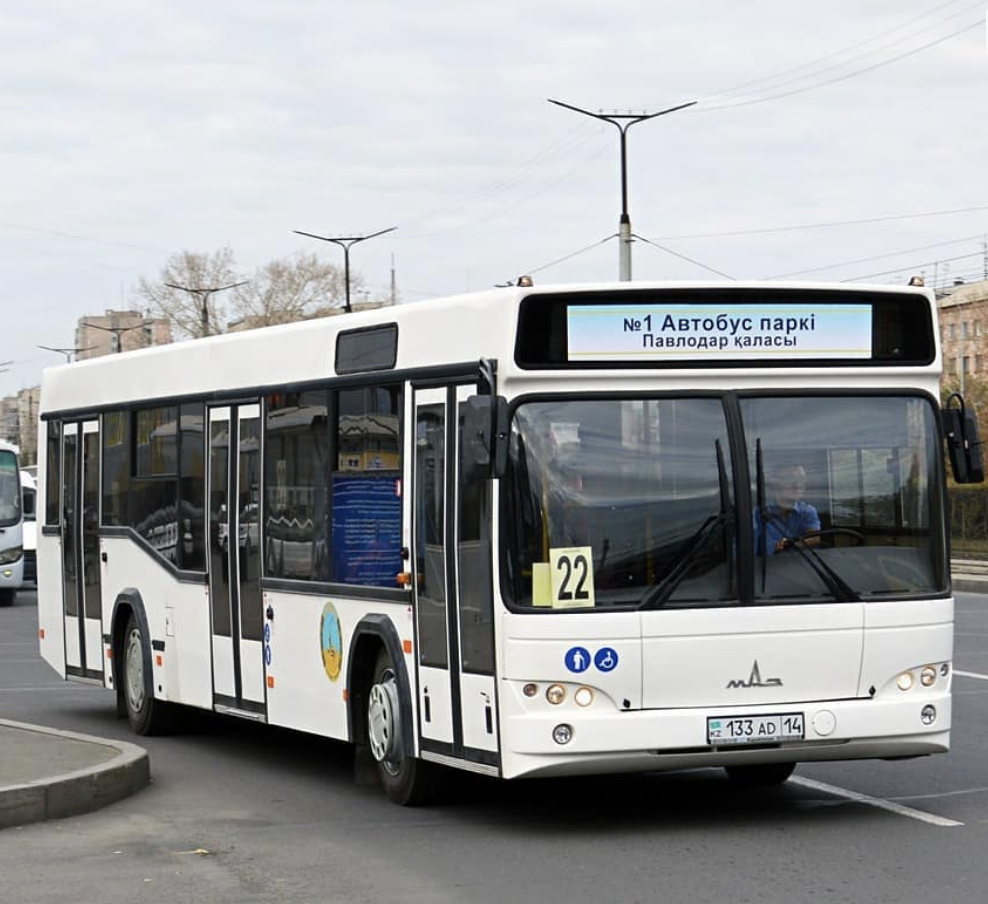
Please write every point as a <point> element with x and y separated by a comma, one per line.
<point>146,715</point>
<point>406,780</point>
<point>761,775</point>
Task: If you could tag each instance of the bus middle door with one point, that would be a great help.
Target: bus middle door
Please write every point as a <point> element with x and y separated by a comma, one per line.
<point>235,560</point>
<point>452,584</point>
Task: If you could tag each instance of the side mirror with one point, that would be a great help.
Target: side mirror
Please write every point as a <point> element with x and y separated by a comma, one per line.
<point>485,437</point>
<point>960,429</point>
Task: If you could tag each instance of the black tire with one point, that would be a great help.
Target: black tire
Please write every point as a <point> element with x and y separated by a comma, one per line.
<point>146,715</point>
<point>761,775</point>
<point>7,597</point>
<point>406,780</point>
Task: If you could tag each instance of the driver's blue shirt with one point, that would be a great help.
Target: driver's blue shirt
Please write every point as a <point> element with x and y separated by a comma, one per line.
<point>802,519</point>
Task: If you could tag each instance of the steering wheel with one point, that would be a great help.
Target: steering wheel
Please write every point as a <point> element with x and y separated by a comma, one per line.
<point>842,531</point>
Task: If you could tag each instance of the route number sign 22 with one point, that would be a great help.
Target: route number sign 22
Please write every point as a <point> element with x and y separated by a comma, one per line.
<point>571,575</point>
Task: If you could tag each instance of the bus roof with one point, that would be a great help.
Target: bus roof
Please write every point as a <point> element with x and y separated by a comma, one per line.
<point>460,328</point>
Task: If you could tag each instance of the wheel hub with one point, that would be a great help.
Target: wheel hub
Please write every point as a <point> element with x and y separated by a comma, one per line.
<point>383,727</point>
<point>135,672</point>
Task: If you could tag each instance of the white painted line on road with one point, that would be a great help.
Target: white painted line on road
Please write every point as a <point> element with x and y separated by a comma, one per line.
<point>970,675</point>
<point>898,809</point>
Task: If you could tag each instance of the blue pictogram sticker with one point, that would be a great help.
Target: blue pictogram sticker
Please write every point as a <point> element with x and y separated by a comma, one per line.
<point>577,659</point>
<point>606,659</point>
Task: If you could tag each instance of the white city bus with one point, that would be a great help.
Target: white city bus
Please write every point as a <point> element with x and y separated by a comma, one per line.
<point>11,525</point>
<point>532,531</point>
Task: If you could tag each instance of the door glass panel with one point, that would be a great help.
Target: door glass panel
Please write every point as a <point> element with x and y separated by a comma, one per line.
<point>430,533</point>
<point>90,525</point>
<point>248,528</point>
<point>473,570</point>
<point>70,484</point>
<point>219,526</point>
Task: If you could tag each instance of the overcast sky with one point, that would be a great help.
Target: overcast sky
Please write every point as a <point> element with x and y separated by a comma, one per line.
<point>134,129</point>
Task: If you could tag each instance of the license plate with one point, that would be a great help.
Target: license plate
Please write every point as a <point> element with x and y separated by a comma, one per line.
<point>724,730</point>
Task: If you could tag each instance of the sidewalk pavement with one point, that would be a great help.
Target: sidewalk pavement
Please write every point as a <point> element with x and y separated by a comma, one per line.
<point>49,774</point>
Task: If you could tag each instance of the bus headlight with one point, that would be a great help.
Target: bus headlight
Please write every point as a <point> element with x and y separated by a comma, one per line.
<point>905,681</point>
<point>555,694</point>
<point>928,676</point>
<point>11,555</point>
<point>929,715</point>
<point>583,696</point>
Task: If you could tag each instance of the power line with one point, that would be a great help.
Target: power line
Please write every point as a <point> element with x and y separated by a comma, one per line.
<point>563,143</point>
<point>841,78</point>
<point>876,257</point>
<point>547,187</point>
<point>713,105</point>
<point>561,260</point>
<point>802,66</point>
<point>683,257</point>
<point>793,228</point>
<point>943,260</point>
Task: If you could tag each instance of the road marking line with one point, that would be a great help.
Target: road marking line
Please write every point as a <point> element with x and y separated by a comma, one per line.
<point>971,675</point>
<point>898,809</point>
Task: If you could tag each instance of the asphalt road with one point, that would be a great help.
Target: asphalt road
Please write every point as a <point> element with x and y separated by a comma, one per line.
<point>242,814</point>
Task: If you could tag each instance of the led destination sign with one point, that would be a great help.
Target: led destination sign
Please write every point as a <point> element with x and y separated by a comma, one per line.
<point>670,332</point>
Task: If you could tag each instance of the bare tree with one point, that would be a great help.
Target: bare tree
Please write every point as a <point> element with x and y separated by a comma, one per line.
<point>289,289</point>
<point>185,292</point>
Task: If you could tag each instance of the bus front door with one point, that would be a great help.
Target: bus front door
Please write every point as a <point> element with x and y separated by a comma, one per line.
<point>81,582</point>
<point>235,560</point>
<point>453,591</point>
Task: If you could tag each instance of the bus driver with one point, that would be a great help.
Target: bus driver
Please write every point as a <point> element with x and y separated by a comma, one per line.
<point>787,518</point>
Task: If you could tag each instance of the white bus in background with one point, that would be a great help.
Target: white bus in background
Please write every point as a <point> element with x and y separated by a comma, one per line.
<point>11,525</point>
<point>29,490</point>
<point>532,531</point>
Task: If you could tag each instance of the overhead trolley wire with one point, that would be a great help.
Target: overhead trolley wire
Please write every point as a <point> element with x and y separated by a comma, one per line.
<point>828,56</point>
<point>773,85</point>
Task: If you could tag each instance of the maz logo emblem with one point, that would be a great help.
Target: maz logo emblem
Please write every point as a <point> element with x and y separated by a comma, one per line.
<point>754,680</point>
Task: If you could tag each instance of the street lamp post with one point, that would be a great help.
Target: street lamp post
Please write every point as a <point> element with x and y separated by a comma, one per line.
<point>116,330</point>
<point>203,296</point>
<point>68,352</point>
<point>622,122</point>
<point>345,242</point>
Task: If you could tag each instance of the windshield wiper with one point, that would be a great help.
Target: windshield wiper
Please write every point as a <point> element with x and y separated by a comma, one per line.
<point>661,592</point>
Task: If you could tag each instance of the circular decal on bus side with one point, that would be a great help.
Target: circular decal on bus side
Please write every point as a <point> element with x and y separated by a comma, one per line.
<point>332,642</point>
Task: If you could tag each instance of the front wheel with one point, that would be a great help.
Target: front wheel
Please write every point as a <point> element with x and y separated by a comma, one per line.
<point>146,715</point>
<point>7,597</point>
<point>406,780</point>
<point>761,775</point>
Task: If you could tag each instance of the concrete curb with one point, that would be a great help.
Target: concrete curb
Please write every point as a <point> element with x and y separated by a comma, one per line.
<point>109,779</point>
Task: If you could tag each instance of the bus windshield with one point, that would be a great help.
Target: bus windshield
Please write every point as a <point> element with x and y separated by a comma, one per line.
<point>10,489</point>
<point>643,503</point>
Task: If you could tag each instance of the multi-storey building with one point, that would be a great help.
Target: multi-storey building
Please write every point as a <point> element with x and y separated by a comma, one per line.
<point>118,331</point>
<point>963,310</point>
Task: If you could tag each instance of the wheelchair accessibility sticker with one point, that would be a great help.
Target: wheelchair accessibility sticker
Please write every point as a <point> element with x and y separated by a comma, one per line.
<point>578,659</point>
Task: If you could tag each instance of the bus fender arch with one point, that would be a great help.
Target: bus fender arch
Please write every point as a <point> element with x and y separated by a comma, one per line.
<point>370,631</point>
<point>128,601</point>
